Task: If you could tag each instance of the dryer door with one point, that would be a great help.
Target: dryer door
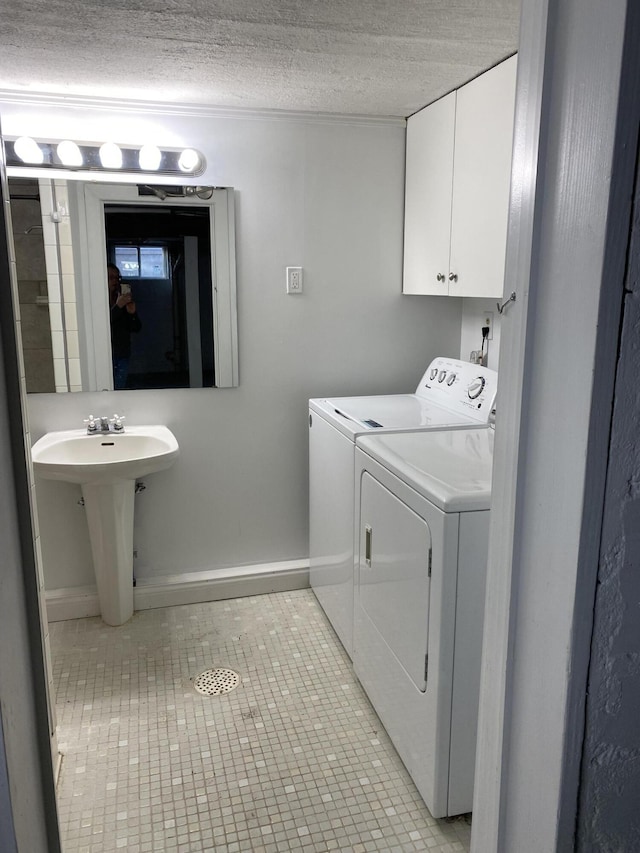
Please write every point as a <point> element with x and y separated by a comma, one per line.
<point>395,581</point>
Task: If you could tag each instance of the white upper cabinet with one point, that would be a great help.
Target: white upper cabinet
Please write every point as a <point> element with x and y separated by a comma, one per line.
<point>428,195</point>
<point>458,173</point>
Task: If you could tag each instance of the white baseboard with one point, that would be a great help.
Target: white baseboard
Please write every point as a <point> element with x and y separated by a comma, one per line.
<point>192,588</point>
<point>72,603</point>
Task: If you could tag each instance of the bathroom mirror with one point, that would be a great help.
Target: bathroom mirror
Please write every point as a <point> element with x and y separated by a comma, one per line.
<point>174,249</point>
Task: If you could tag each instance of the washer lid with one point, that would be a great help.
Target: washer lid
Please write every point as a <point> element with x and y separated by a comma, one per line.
<point>450,395</point>
<point>357,415</point>
<point>451,468</point>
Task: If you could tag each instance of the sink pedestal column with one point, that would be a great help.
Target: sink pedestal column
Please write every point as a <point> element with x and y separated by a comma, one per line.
<point>110,517</point>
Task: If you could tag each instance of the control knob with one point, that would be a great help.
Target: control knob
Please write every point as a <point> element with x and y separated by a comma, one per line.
<point>434,373</point>
<point>476,387</point>
<point>451,379</point>
<point>442,375</point>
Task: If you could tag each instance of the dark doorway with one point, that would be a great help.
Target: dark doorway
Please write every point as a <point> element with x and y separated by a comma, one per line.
<point>164,256</point>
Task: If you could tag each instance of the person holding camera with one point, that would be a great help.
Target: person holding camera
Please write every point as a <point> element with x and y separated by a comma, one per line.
<point>124,323</point>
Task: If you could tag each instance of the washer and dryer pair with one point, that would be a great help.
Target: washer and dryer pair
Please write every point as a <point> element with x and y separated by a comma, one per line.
<point>451,395</point>
<point>399,506</point>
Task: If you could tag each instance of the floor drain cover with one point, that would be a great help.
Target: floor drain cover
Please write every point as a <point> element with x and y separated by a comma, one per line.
<point>213,682</point>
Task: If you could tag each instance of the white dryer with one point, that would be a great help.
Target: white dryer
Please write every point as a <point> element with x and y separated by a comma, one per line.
<point>422,513</point>
<point>452,394</point>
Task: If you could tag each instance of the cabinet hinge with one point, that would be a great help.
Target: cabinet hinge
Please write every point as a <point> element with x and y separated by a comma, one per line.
<point>426,668</point>
<point>430,560</point>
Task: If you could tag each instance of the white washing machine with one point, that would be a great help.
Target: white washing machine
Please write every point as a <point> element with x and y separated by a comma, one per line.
<point>452,394</point>
<point>422,513</point>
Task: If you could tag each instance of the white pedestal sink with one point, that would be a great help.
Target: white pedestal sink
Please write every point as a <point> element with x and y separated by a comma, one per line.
<point>106,466</point>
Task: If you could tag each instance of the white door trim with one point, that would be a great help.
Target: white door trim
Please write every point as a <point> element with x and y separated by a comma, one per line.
<point>550,451</point>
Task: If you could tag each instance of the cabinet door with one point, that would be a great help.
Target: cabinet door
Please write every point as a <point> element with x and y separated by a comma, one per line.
<point>428,182</point>
<point>481,181</point>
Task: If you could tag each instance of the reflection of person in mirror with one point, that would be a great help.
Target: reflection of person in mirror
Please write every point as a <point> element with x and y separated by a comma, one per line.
<point>124,322</point>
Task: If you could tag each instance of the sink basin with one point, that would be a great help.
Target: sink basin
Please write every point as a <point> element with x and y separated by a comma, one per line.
<point>107,466</point>
<point>75,457</point>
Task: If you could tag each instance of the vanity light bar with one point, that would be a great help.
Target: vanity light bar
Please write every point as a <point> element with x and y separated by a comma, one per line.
<point>105,157</point>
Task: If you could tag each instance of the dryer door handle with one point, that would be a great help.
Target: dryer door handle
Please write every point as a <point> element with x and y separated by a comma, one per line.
<point>367,545</point>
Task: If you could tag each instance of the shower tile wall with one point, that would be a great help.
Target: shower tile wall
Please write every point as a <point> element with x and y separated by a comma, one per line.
<point>32,284</point>
<point>61,283</point>
<point>293,759</point>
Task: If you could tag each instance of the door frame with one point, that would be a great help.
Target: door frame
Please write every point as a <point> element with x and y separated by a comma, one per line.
<point>551,53</point>
<point>575,144</point>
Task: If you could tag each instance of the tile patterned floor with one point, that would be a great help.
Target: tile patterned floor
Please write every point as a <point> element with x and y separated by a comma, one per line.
<point>294,759</point>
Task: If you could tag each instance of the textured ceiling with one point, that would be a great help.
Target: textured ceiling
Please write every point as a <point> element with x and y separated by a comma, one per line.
<point>381,57</point>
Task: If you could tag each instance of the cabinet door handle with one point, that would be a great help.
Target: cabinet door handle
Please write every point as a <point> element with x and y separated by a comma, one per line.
<point>367,545</point>
<point>440,276</point>
<point>453,276</point>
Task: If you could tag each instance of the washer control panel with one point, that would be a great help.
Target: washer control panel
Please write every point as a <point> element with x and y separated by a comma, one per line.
<point>460,386</point>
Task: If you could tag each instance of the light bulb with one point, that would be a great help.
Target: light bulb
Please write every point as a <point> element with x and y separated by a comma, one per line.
<point>189,160</point>
<point>69,153</point>
<point>28,150</point>
<point>149,158</point>
<point>110,156</point>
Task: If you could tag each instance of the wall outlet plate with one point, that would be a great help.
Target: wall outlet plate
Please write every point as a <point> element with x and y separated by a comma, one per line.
<point>487,320</point>
<point>294,279</point>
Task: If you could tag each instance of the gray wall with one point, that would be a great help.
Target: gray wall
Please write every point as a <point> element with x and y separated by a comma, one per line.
<point>7,835</point>
<point>323,194</point>
<point>609,819</point>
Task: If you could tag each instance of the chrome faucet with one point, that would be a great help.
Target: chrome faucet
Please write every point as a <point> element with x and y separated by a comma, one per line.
<point>101,425</point>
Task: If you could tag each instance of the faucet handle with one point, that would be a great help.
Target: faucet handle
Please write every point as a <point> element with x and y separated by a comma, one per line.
<point>116,420</point>
<point>91,424</point>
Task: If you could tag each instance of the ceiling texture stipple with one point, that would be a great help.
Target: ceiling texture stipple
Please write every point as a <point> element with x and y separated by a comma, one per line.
<point>378,58</point>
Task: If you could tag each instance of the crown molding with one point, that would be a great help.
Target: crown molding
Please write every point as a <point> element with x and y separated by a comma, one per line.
<point>79,102</point>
